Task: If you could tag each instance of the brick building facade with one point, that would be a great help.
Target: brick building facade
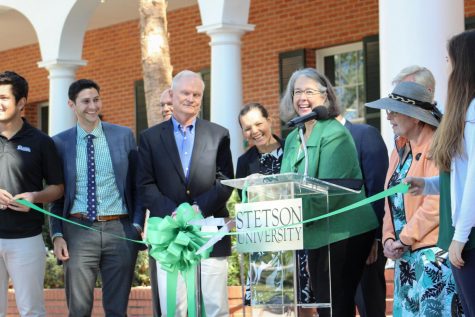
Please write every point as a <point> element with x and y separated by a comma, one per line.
<point>113,53</point>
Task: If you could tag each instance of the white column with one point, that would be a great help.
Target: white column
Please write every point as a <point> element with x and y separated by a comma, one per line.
<point>416,33</point>
<point>226,79</point>
<point>61,75</point>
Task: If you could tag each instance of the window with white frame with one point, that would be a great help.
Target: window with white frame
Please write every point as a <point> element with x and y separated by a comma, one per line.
<point>344,66</point>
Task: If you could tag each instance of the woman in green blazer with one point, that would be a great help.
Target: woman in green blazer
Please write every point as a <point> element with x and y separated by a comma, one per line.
<point>332,157</point>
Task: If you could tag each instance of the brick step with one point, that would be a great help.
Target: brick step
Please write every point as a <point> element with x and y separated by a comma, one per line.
<point>389,275</point>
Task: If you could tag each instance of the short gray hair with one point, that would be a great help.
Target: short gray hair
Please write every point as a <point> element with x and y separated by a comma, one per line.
<point>287,110</point>
<point>186,73</point>
<point>422,76</point>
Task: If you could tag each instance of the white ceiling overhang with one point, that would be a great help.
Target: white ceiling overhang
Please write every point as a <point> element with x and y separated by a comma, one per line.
<point>17,31</point>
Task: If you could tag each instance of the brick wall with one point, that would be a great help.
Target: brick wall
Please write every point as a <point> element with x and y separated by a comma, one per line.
<point>113,53</point>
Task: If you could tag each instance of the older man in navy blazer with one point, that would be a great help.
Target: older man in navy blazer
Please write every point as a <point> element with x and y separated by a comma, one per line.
<point>99,165</point>
<point>183,160</point>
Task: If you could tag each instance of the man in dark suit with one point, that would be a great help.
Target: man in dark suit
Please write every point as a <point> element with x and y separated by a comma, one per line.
<point>183,160</point>
<point>373,158</point>
<point>99,164</point>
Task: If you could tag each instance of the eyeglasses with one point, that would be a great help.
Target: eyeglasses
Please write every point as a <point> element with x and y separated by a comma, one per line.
<point>389,112</point>
<point>308,92</point>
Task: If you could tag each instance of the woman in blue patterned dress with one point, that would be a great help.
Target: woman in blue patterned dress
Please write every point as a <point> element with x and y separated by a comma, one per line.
<point>423,281</point>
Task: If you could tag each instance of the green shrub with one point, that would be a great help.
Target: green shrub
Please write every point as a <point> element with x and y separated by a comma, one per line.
<point>233,272</point>
<point>141,273</point>
<point>54,274</point>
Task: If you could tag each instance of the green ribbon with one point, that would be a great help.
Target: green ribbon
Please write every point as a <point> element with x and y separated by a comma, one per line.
<point>174,242</point>
<point>400,188</point>
<point>174,245</point>
<point>46,212</point>
<point>199,238</point>
<point>154,221</point>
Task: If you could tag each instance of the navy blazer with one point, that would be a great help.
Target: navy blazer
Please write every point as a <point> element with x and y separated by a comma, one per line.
<point>123,151</point>
<point>161,180</point>
<point>373,159</point>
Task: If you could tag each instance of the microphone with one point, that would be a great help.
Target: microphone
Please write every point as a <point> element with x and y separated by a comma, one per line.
<point>318,113</point>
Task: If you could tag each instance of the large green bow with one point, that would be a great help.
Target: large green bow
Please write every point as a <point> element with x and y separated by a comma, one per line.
<point>174,244</point>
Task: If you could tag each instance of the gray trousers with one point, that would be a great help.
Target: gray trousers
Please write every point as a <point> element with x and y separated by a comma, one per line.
<point>93,252</point>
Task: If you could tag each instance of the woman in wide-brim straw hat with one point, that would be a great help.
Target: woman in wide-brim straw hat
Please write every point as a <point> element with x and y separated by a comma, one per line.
<point>423,280</point>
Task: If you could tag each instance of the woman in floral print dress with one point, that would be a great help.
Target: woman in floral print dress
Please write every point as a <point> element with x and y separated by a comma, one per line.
<point>423,280</point>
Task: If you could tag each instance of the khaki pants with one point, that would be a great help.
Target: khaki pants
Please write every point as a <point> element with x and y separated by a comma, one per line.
<point>23,260</point>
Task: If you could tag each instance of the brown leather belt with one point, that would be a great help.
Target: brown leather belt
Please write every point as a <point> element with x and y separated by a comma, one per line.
<point>99,218</point>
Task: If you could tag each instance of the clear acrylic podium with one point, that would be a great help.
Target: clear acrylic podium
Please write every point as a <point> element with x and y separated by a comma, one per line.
<point>275,288</point>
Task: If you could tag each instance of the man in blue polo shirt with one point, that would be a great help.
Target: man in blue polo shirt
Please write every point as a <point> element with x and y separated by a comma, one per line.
<point>28,158</point>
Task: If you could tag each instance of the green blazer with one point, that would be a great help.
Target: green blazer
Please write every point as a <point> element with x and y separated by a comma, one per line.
<point>331,155</point>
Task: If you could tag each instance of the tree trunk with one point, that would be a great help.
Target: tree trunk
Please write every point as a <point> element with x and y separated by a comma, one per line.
<point>157,70</point>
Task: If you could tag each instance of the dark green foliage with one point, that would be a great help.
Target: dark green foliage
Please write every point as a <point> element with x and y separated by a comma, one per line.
<point>233,271</point>
<point>141,273</point>
<point>54,275</point>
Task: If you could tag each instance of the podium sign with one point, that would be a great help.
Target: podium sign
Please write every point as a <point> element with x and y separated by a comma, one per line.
<point>268,217</point>
<point>279,200</point>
